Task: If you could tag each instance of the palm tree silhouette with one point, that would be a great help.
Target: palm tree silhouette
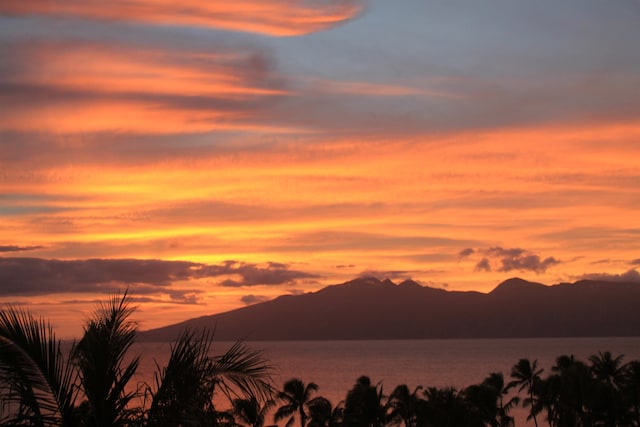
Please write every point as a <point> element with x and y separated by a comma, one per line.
<point>100,357</point>
<point>448,407</point>
<point>295,395</point>
<point>609,376</point>
<point>250,412</point>
<point>365,405</point>
<point>320,412</point>
<point>489,397</point>
<point>38,385</point>
<point>35,378</point>
<point>405,405</point>
<point>631,391</point>
<point>526,375</point>
<point>184,389</point>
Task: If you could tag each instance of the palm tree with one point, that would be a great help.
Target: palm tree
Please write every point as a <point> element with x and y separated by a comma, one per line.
<point>183,389</point>
<point>631,391</point>
<point>607,368</point>
<point>38,385</point>
<point>295,395</point>
<point>365,405</point>
<point>489,397</point>
<point>447,407</point>
<point>242,371</point>
<point>100,357</point>
<point>320,412</point>
<point>36,380</point>
<point>526,375</point>
<point>608,373</point>
<point>250,412</point>
<point>405,406</point>
<point>568,394</point>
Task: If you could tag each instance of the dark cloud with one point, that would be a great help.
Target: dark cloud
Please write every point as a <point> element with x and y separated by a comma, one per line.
<point>387,274</point>
<point>253,299</point>
<point>628,276</point>
<point>345,266</point>
<point>37,276</point>
<point>465,252</point>
<point>483,265</point>
<point>527,262</point>
<point>502,259</point>
<point>635,261</point>
<point>499,251</point>
<point>13,248</point>
<point>253,275</point>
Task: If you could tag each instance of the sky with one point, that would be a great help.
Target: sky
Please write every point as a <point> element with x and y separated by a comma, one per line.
<point>211,155</point>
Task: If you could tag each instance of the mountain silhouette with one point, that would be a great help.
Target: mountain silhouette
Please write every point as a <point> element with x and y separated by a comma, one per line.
<point>368,308</point>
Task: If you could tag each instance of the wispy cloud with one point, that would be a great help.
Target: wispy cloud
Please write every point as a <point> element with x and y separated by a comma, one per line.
<point>272,17</point>
<point>16,248</point>
<point>36,276</point>
<point>253,299</point>
<point>628,276</point>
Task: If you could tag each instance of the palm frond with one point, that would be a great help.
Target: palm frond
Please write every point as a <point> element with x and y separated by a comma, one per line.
<point>100,357</point>
<point>183,389</point>
<point>243,370</point>
<point>38,380</point>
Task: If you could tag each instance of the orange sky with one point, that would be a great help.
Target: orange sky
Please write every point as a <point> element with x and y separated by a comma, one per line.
<point>212,157</point>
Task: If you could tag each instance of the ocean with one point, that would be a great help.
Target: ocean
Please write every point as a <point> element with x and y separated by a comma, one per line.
<point>335,365</point>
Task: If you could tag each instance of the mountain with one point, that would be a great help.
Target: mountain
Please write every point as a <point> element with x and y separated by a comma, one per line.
<point>368,308</point>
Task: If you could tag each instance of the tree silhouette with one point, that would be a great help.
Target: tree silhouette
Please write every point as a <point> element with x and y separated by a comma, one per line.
<point>320,412</point>
<point>100,357</point>
<point>295,396</point>
<point>526,375</point>
<point>38,385</point>
<point>250,412</point>
<point>609,376</point>
<point>35,378</point>
<point>183,389</point>
<point>631,391</point>
<point>365,405</point>
<point>488,397</point>
<point>447,407</point>
<point>406,406</point>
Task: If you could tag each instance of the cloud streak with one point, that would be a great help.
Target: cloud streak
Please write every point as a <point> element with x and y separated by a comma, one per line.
<point>16,248</point>
<point>37,276</point>
<point>270,17</point>
<point>630,276</point>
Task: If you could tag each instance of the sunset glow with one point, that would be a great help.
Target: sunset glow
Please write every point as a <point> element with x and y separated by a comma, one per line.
<point>262,148</point>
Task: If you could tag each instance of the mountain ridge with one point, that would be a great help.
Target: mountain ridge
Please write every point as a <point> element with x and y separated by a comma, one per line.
<point>369,308</point>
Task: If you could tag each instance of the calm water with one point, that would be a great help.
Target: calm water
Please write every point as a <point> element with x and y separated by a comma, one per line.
<point>335,365</point>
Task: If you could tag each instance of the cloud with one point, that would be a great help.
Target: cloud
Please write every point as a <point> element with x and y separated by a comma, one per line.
<point>498,251</point>
<point>628,276</point>
<point>635,261</point>
<point>253,275</point>
<point>341,266</point>
<point>37,276</point>
<point>483,265</point>
<point>465,252</point>
<point>253,299</point>
<point>15,248</point>
<point>98,86</point>
<point>271,17</point>
<point>386,274</point>
<point>502,259</point>
<point>527,262</point>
